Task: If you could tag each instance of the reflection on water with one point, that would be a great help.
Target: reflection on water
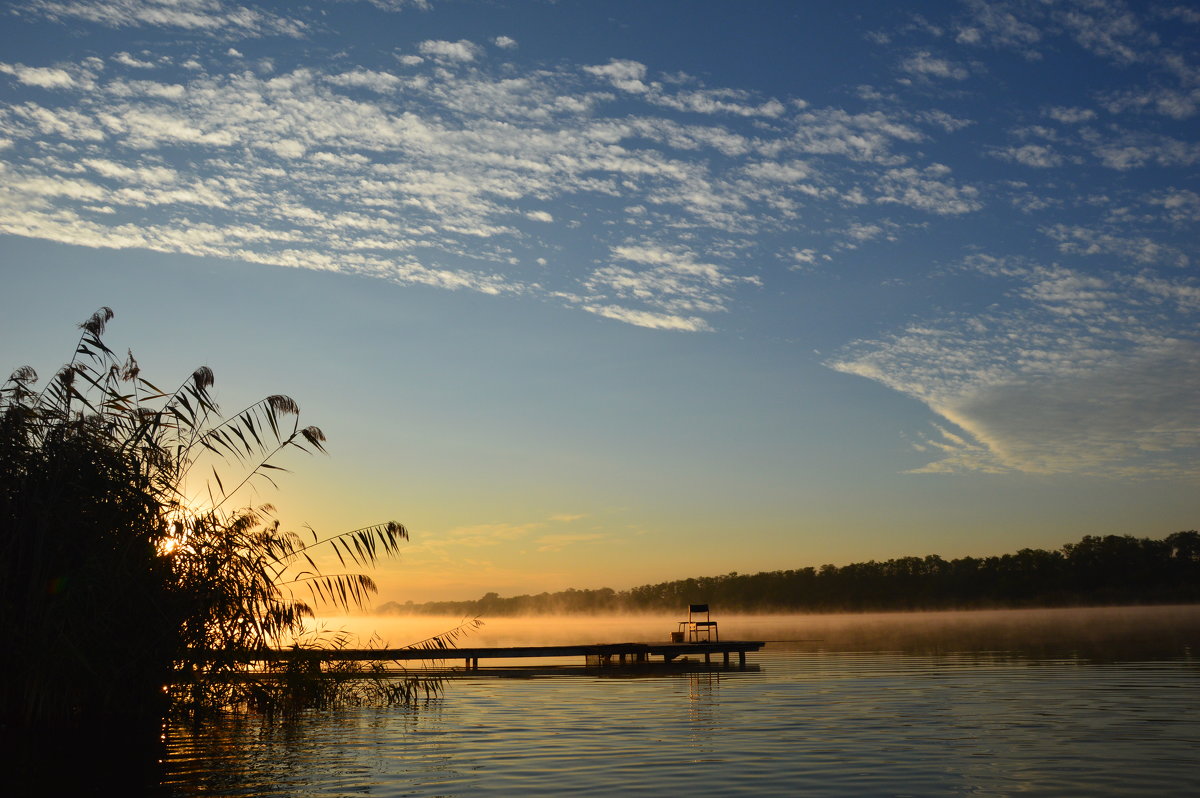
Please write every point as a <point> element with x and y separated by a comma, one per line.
<point>907,718</point>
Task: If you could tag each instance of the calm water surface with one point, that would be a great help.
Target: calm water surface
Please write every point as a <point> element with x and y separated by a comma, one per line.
<point>801,720</point>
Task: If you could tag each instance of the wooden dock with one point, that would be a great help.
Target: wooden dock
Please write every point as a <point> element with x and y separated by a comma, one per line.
<point>594,654</point>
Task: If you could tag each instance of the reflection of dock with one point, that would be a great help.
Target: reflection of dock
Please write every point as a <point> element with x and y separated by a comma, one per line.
<point>594,654</point>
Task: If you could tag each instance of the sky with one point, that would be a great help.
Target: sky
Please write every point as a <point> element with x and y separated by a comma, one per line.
<point>601,294</point>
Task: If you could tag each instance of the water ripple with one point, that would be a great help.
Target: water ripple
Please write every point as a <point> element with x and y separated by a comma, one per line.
<point>808,722</point>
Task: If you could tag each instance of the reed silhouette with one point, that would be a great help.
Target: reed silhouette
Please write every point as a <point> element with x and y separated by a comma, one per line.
<point>122,596</point>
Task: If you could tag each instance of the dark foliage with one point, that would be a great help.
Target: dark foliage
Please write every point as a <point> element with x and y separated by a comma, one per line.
<point>1113,569</point>
<point>115,583</point>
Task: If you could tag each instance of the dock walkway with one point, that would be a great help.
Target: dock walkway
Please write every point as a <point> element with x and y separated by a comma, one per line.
<point>599,654</point>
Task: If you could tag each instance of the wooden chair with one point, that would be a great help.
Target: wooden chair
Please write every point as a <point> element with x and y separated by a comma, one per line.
<point>698,622</point>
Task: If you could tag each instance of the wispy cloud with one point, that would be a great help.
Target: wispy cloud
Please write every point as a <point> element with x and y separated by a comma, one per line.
<point>206,16</point>
<point>1138,249</point>
<point>670,277</point>
<point>672,201</point>
<point>447,173</point>
<point>998,24</point>
<point>929,189</point>
<point>461,50</point>
<point>43,77</point>
<point>1038,156</point>
<point>923,64</point>
<point>1106,28</point>
<point>1084,373</point>
<point>1175,103</point>
<point>1070,115</point>
<point>560,541</point>
<point>631,77</point>
<point>1112,30</point>
<point>546,535</point>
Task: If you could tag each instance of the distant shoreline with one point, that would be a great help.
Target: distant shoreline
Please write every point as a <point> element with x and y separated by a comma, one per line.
<point>1114,570</point>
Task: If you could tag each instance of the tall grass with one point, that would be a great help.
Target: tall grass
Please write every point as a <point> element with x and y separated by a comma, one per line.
<point>114,582</point>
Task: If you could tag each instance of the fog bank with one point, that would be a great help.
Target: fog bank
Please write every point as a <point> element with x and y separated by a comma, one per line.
<point>1100,632</point>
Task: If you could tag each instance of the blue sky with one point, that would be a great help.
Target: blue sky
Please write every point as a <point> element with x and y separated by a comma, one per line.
<point>604,293</point>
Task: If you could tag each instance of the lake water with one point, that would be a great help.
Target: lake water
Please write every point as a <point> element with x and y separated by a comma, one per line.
<point>1103,702</point>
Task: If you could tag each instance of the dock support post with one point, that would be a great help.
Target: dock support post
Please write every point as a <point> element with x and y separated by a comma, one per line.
<point>725,657</point>
<point>707,658</point>
<point>742,660</point>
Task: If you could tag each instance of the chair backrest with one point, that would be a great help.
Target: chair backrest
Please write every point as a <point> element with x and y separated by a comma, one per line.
<point>697,609</point>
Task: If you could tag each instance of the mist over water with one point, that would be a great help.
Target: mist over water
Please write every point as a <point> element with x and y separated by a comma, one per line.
<point>1101,632</point>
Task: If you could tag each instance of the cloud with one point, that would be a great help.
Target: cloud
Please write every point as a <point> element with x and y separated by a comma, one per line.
<point>1116,32</point>
<point>1183,13</point>
<point>868,137</point>
<point>997,24</point>
<point>128,60</point>
<point>561,540</point>
<point>42,77</point>
<point>1038,156</point>
<point>1120,417</point>
<point>483,535</point>
<point>923,64</point>
<point>648,319</point>
<point>630,76</point>
<point>1124,150</point>
<point>1181,207</point>
<point>1085,374</point>
<point>460,51</point>
<point>1080,240</point>
<point>655,200</point>
<point>507,533</point>
<point>400,5</point>
<point>683,196</point>
<point>623,74</point>
<point>1112,146</point>
<point>380,82</point>
<point>1069,115</point>
<point>667,278</point>
<point>359,170</point>
<point>928,189</point>
<point>1109,30</point>
<point>806,257</point>
<point>716,101</point>
<point>206,16</point>
<point>1173,103</point>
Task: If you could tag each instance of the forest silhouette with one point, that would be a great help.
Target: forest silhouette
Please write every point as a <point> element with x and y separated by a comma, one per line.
<point>1095,571</point>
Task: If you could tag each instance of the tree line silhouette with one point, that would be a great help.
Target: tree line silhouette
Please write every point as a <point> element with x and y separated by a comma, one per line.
<point>1097,570</point>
